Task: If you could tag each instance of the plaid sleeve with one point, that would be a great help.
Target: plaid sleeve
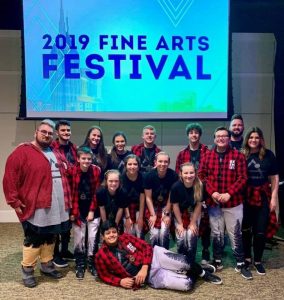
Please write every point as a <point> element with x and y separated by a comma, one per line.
<point>183,157</point>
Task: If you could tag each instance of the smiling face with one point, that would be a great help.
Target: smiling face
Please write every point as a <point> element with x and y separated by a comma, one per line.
<point>85,160</point>
<point>132,166</point>
<point>221,140</point>
<point>44,136</point>
<point>119,144</point>
<point>162,163</point>
<point>64,133</point>
<point>254,142</point>
<point>110,237</point>
<point>95,138</point>
<point>188,175</point>
<point>193,137</point>
<point>112,182</point>
<point>148,137</point>
<point>237,128</point>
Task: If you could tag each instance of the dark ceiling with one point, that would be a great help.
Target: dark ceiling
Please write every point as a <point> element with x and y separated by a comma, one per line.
<point>246,15</point>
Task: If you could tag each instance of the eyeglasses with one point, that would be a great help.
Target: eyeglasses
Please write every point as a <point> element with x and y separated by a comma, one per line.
<point>44,132</point>
<point>221,136</point>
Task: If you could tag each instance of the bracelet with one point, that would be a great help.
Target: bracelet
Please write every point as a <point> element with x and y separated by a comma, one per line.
<point>152,215</point>
<point>127,217</point>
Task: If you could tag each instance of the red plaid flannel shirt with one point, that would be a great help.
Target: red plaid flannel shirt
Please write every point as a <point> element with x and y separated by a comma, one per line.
<point>254,194</point>
<point>230,176</point>
<point>75,177</point>
<point>56,145</point>
<point>110,269</point>
<point>158,208</point>
<point>138,149</point>
<point>184,156</point>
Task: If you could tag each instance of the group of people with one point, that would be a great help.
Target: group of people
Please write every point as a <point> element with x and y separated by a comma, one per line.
<point>114,199</point>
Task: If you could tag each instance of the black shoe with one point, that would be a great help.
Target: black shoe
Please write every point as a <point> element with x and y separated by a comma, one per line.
<point>209,268</point>
<point>68,256</point>
<point>53,274</point>
<point>218,265</point>
<point>28,277</point>
<point>244,271</point>
<point>80,273</point>
<point>260,269</point>
<point>60,262</point>
<point>208,277</point>
<point>93,271</point>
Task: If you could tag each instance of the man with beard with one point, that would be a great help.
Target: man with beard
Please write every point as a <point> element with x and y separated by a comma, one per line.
<point>147,150</point>
<point>236,130</point>
<point>35,185</point>
<point>64,145</point>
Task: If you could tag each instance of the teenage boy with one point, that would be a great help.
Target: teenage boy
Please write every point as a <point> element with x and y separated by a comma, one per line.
<point>147,150</point>
<point>224,173</point>
<point>63,144</point>
<point>127,261</point>
<point>195,152</point>
<point>85,180</point>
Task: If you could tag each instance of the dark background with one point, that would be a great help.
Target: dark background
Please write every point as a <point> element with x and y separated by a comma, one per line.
<point>245,16</point>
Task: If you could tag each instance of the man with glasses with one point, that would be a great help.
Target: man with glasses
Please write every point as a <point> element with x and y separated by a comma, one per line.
<point>224,174</point>
<point>35,185</point>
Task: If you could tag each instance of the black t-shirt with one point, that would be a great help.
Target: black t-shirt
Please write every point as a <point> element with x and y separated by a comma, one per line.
<point>85,198</point>
<point>160,186</point>
<point>195,158</point>
<point>183,196</point>
<point>111,202</point>
<point>133,189</point>
<point>119,164</point>
<point>236,144</point>
<point>259,170</point>
<point>147,159</point>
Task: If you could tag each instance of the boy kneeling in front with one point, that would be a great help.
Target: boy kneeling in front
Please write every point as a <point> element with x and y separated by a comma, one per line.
<point>127,261</point>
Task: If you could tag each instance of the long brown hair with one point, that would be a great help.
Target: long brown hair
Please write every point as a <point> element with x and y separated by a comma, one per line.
<point>246,148</point>
<point>197,184</point>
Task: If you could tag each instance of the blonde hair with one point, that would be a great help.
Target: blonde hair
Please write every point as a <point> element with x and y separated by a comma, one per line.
<point>197,184</point>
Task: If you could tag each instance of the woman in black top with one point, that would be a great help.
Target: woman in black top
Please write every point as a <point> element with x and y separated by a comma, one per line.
<point>132,182</point>
<point>111,198</point>
<point>262,196</point>
<point>94,140</point>
<point>118,152</point>
<point>186,197</point>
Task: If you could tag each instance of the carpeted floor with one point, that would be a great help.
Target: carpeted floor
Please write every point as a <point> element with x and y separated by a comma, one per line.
<point>270,286</point>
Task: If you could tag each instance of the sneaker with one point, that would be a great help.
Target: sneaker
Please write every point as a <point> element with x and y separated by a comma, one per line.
<point>60,262</point>
<point>28,277</point>
<point>218,265</point>
<point>259,269</point>
<point>209,268</point>
<point>208,277</point>
<point>68,256</point>
<point>244,271</point>
<point>80,273</point>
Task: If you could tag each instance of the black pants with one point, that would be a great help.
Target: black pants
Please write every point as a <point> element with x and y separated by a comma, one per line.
<point>255,222</point>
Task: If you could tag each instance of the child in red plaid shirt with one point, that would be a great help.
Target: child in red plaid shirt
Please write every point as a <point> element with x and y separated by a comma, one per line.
<point>84,181</point>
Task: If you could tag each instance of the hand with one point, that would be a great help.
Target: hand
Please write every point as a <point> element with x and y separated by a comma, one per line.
<point>90,216</point>
<point>166,220</point>
<point>273,204</point>
<point>19,208</point>
<point>193,227</point>
<point>216,196</point>
<point>141,275</point>
<point>128,224</point>
<point>127,282</point>
<point>152,221</point>
<point>179,229</point>
<point>225,197</point>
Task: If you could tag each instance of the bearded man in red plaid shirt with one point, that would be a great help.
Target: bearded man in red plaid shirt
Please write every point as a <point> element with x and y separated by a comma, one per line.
<point>129,262</point>
<point>224,174</point>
